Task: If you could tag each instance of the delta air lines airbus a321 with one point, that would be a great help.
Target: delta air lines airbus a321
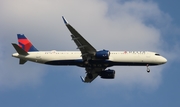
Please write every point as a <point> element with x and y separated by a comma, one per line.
<point>95,62</point>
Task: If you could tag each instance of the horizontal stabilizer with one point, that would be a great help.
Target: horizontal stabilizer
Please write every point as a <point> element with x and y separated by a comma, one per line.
<point>19,49</point>
<point>22,61</point>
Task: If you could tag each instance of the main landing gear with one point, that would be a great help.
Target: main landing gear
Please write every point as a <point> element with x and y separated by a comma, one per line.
<point>148,70</point>
<point>90,76</point>
<point>89,72</point>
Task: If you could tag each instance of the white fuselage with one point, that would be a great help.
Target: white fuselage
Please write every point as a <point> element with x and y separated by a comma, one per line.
<point>116,58</point>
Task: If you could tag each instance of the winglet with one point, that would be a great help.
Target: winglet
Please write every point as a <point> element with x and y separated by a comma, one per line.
<point>82,78</point>
<point>65,21</point>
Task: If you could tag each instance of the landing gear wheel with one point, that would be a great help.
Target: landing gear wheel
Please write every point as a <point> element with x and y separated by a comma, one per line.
<point>148,70</point>
<point>86,62</point>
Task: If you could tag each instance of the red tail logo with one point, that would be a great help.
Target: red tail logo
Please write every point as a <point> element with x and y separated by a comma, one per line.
<point>25,44</point>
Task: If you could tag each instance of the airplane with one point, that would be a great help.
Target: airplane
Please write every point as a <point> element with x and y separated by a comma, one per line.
<point>94,61</point>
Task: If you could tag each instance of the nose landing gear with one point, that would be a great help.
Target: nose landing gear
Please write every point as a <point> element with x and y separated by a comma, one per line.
<point>148,70</point>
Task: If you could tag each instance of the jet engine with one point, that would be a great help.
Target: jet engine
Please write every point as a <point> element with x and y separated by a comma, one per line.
<point>108,74</point>
<point>103,54</point>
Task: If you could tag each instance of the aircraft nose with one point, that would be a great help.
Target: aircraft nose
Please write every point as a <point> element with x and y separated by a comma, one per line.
<point>164,60</point>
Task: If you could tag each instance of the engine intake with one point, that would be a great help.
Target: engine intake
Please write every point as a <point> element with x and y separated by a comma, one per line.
<point>108,74</point>
<point>103,54</point>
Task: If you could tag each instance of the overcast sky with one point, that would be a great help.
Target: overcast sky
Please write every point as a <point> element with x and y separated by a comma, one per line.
<point>142,25</point>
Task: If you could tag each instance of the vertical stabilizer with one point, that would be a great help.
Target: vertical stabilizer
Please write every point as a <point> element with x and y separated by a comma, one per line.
<point>25,44</point>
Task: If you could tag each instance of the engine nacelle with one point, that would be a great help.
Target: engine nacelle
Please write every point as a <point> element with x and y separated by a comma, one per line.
<point>108,74</point>
<point>103,54</point>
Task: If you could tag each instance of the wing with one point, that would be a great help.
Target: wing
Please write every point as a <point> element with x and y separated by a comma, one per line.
<point>91,74</point>
<point>87,50</point>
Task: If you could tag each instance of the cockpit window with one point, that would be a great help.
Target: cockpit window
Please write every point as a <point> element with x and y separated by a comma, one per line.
<point>157,54</point>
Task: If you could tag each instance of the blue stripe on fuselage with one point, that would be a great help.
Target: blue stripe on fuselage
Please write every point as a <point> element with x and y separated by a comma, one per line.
<point>96,63</point>
<point>65,62</point>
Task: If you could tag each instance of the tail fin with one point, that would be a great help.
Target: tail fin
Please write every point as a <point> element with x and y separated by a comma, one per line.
<point>25,44</point>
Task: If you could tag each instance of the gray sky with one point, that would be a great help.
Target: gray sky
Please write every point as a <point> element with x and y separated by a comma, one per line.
<point>113,25</point>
